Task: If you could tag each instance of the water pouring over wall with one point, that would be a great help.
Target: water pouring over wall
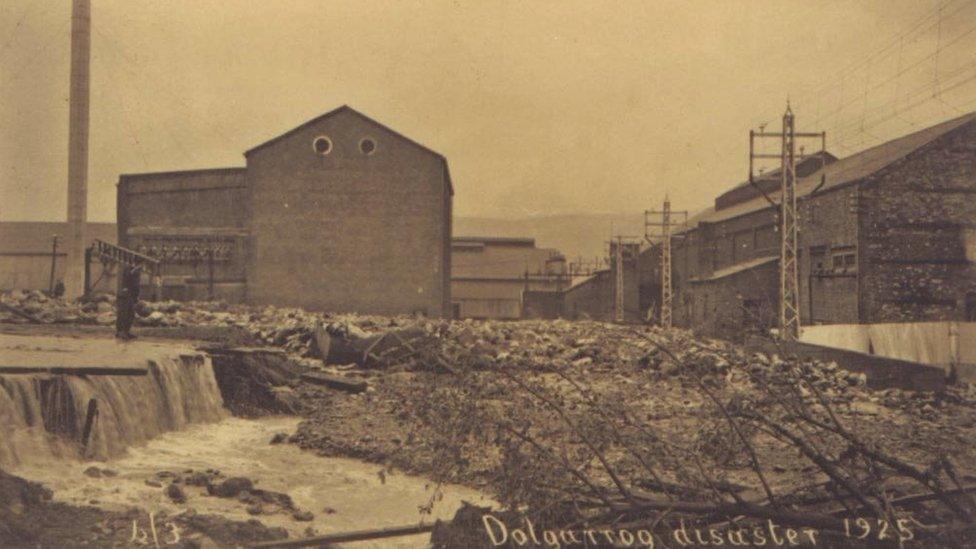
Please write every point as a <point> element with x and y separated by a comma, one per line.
<point>42,416</point>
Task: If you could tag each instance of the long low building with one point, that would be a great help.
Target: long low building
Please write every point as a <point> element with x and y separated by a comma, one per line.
<point>30,259</point>
<point>490,276</point>
<point>338,214</point>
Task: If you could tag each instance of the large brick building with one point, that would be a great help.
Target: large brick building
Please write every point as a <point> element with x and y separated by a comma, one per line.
<point>886,235</point>
<point>341,214</point>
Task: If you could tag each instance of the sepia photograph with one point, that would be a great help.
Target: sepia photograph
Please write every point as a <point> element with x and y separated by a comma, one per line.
<point>472,274</point>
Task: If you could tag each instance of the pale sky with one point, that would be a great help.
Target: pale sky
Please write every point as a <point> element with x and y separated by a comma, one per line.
<point>540,107</point>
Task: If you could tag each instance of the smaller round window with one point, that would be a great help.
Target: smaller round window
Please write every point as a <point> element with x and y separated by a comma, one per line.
<point>367,146</point>
<point>322,145</point>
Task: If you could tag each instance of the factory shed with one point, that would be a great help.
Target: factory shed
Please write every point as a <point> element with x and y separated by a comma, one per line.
<point>886,235</point>
<point>491,276</point>
<point>339,214</point>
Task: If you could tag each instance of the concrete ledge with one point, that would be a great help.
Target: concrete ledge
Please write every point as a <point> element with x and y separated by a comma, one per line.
<point>74,370</point>
<point>882,373</point>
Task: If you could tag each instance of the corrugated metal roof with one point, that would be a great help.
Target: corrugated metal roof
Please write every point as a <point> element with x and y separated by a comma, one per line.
<point>845,170</point>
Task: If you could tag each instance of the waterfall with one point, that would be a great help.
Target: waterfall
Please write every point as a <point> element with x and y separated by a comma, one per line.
<point>42,417</point>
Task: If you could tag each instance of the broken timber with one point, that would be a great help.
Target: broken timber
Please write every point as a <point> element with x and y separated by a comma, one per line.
<point>358,535</point>
<point>18,312</point>
<point>335,382</point>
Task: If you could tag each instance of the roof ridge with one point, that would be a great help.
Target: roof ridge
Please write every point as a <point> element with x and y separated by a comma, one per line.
<point>333,112</point>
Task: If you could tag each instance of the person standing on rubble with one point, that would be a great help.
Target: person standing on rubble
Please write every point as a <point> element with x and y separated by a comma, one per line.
<point>125,302</point>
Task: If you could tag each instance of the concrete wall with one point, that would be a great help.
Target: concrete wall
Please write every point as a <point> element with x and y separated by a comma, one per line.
<point>25,254</point>
<point>347,231</point>
<point>881,372</point>
<point>918,232</point>
<point>948,345</point>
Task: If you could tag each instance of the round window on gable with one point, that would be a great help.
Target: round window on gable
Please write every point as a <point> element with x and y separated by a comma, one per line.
<point>367,146</point>
<point>322,145</point>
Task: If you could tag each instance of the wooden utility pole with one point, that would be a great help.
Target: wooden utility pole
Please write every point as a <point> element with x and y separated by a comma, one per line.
<point>78,147</point>
<point>789,287</point>
<point>54,263</point>
<point>665,235</point>
<point>618,285</point>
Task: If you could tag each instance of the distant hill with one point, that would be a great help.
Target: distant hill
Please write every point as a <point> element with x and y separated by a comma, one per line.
<point>572,234</point>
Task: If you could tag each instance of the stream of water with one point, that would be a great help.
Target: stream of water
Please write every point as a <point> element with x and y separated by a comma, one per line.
<point>40,412</point>
<point>343,494</point>
<point>172,420</point>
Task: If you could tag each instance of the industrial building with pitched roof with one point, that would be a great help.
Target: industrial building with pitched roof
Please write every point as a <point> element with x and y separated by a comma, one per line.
<point>338,214</point>
<point>886,235</point>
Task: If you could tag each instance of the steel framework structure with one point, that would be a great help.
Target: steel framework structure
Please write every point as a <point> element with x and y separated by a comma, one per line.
<point>789,288</point>
<point>665,225</point>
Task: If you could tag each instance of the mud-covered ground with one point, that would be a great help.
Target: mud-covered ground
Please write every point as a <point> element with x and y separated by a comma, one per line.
<point>380,424</point>
<point>28,518</point>
<point>416,418</point>
<point>560,383</point>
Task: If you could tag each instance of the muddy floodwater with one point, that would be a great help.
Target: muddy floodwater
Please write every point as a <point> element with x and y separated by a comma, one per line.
<point>343,494</point>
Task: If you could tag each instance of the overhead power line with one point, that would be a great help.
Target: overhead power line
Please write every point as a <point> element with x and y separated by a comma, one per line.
<point>930,19</point>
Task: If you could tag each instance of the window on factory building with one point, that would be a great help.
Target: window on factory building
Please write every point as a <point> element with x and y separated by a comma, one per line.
<point>367,146</point>
<point>844,259</point>
<point>322,145</point>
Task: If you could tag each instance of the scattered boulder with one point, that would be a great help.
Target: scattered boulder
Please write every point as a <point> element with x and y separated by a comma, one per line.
<point>93,472</point>
<point>231,487</point>
<point>175,493</point>
<point>278,438</point>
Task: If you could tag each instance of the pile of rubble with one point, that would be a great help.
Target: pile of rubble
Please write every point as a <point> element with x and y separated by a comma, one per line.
<point>25,306</point>
<point>417,343</point>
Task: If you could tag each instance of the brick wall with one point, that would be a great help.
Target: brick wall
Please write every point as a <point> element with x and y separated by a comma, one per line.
<point>828,230</point>
<point>732,306</point>
<point>347,231</point>
<point>917,223</point>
